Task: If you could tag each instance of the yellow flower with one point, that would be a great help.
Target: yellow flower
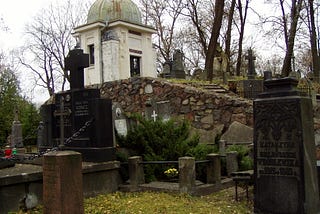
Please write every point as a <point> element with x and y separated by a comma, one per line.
<point>172,172</point>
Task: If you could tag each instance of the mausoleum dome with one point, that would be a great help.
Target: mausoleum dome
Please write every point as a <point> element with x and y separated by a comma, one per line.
<point>113,10</point>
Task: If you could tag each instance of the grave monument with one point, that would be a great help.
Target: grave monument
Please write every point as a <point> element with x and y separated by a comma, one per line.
<point>79,119</point>
<point>178,65</point>
<point>158,110</point>
<point>251,87</point>
<point>16,135</point>
<point>285,176</point>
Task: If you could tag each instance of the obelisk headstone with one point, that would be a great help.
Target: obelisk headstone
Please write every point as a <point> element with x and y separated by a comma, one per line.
<point>285,176</point>
<point>62,183</point>
<point>16,135</point>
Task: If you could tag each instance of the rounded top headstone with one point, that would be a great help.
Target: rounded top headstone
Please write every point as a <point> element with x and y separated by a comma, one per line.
<point>114,10</point>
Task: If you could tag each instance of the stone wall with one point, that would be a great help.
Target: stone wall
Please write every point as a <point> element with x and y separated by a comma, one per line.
<point>210,113</point>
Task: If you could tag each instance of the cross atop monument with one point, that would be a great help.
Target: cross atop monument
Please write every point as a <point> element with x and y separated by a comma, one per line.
<point>75,62</point>
<point>251,68</point>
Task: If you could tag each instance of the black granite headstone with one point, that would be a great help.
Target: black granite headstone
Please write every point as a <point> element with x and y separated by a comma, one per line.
<point>285,176</point>
<point>80,120</point>
<point>49,130</point>
<point>75,62</point>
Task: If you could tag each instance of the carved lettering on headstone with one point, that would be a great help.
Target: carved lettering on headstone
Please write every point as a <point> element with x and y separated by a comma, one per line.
<point>277,131</point>
<point>284,151</point>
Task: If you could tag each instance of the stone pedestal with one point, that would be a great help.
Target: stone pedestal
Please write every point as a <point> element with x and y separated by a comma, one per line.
<point>214,169</point>
<point>232,162</point>
<point>222,147</point>
<point>62,183</point>
<point>187,174</point>
<point>136,173</point>
<point>285,176</point>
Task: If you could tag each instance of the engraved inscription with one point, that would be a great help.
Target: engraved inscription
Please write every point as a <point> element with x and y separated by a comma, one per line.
<point>277,139</point>
<point>81,108</point>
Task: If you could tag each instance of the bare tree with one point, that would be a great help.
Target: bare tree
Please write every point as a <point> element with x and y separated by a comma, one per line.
<point>290,33</point>
<point>243,11</point>
<point>49,40</point>
<point>163,15</point>
<point>313,40</point>
<point>228,34</point>
<point>217,22</point>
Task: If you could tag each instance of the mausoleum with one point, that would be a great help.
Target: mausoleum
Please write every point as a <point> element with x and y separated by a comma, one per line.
<point>118,43</point>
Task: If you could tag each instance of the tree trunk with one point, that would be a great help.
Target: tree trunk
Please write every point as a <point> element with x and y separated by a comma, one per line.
<point>228,35</point>
<point>243,17</point>
<point>313,42</point>
<point>295,12</point>
<point>218,9</point>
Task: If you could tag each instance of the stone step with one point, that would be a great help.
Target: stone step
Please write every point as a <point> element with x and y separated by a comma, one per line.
<point>215,88</point>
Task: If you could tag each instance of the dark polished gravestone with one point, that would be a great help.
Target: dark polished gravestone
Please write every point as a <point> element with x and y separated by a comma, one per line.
<point>285,176</point>
<point>79,119</point>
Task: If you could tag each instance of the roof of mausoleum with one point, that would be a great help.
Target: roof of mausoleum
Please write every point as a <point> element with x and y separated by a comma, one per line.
<point>113,10</point>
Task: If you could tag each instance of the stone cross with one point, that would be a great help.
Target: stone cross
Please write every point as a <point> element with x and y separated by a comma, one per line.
<point>251,68</point>
<point>61,113</point>
<point>75,62</point>
<point>154,115</point>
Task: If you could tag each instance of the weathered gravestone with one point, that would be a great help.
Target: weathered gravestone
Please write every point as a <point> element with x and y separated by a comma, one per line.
<point>16,135</point>
<point>120,120</point>
<point>178,65</point>
<point>79,120</point>
<point>251,87</point>
<point>285,176</point>
<point>158,110</point>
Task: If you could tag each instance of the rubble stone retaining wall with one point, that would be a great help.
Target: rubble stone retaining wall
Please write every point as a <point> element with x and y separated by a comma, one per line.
<point>208,112</point>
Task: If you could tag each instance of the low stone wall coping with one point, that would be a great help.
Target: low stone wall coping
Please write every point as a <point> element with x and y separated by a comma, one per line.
<point>23,173</point>
<point>20,173</point>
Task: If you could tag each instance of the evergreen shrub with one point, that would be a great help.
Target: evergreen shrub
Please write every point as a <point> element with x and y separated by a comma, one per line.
<point>244,160</point>
<point>161,141</point>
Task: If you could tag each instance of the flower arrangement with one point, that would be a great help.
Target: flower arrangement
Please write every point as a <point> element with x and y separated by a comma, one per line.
<point>171,173</point>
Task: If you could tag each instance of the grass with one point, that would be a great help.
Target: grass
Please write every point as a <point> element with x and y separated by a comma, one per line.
<point>165,203</point>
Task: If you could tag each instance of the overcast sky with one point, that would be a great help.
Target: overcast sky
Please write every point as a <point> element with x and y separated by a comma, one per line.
<point>15,15</point>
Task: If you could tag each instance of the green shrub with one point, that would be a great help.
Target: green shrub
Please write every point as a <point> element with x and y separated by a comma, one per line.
<point>200,152</point>
<point>244,160</point>
<point>161,141</point>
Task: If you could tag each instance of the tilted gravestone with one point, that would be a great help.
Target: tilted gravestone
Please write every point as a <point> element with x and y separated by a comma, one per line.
<point>80,120</point>
<point>285,176</point>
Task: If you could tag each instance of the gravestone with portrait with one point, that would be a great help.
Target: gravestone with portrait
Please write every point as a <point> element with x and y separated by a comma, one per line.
<point>79,119</point>
<point>120,120</point>
<point>285,176</point>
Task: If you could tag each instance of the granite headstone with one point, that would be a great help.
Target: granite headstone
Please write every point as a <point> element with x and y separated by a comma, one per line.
<point>285,176</point>
<point>79,119</point>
